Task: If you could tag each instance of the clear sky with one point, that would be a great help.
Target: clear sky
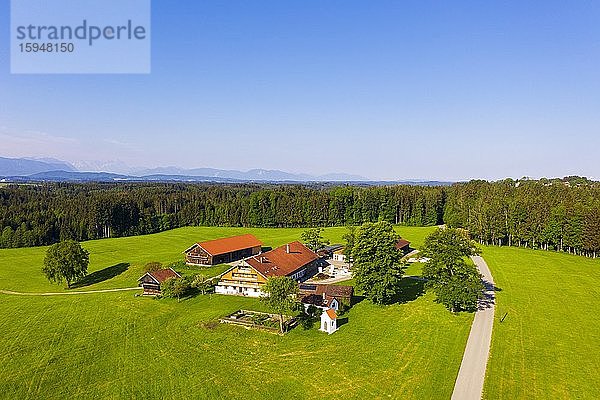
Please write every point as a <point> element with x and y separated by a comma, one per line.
<point>386,90</point>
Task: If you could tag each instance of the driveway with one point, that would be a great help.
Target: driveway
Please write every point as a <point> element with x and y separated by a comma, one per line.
<point>469,383</point>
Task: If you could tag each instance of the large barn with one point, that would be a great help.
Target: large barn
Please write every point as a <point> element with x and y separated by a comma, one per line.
<point>293,259</point>
<point>222,251</point>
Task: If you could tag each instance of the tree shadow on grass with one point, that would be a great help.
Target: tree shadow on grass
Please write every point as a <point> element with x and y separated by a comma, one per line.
<point>357,299</point>
<point>410,290</point>
<point>489,296</point>
<point>101,275</point>
<point>190,294</point>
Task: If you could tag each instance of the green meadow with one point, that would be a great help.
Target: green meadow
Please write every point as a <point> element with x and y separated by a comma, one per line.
<point>116,345</point>
<point>118,262</point>
<point>548,345</point>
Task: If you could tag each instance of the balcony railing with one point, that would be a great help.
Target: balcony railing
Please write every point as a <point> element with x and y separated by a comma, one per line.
<point>238,283</point>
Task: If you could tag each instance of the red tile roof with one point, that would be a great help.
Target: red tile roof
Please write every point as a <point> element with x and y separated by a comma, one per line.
<point>163,274</point>
<point>331,313</point>
<point>230,244</point>
<point>313,299</point>
<point>339,291</point>
<point>402,243</point>
<point>280,262</point>
<point>330,291</point>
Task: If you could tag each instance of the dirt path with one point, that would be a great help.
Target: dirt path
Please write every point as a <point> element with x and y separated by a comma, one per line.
<point>68,293</point>
<point>469,383</point>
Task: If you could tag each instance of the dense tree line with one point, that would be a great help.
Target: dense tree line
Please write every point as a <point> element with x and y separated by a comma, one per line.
<point>562,215</point>
<point>32,215</point>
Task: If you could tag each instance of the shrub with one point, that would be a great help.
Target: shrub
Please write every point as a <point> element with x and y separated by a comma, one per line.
<point>310,316</point>
<point>152,266</point>
<point>176,288</point>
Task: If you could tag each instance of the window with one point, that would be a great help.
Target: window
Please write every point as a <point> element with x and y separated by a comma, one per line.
<point>243,275</point>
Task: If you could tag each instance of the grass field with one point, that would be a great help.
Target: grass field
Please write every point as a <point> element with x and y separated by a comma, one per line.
<point>115,345</point>
<point>548,345</point>
<point>119,262</point>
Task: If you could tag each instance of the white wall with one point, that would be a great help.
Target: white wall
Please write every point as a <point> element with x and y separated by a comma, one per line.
<point>339,257</point>
<point>233,291</point>
<point>327,324</point>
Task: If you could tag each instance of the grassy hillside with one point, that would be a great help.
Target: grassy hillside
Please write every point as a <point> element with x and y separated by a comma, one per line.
<point>121,260</point>
<point>547,347</point>
<point>115,345</point>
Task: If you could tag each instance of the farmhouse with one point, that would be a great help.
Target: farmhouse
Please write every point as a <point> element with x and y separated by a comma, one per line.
<point>245,279</point>
<point>404,246</point>
<point>151,281</point>
<point>224,250</point>
<point>326,296</point>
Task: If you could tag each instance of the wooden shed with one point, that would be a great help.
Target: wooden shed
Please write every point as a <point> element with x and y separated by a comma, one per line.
<point>404,246</point>
<point>151,281</point>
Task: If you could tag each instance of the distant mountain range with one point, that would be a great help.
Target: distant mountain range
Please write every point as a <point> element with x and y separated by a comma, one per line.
<point>37,170</point>
<point>113,166</point>
<point>54,170</point>
<point>251,175</point>
<point>29,166</point>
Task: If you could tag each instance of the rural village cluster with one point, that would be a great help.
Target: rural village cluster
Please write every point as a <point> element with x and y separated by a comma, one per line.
<point>315,272</point>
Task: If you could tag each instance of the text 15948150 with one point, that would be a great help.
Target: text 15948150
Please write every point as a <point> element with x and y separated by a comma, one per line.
<point>47,47</point>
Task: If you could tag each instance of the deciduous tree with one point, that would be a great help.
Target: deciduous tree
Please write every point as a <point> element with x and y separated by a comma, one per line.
<point>66,261</point>
<point>456,283</point>
<point>280,294</point>
<point>203,284</point>
<point>377,267</point>
<point>313,239</point>
<point>349,237</point>
<point>152,266</point>
<point>175,288</point>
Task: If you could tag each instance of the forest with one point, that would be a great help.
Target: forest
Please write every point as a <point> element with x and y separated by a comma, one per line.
<point>32,215</point>
<point>562,215</point>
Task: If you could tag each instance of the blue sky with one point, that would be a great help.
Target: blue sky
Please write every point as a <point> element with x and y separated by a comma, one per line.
<point>387,90</point>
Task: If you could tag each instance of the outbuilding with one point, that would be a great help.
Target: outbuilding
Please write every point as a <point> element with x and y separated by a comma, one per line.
<point>328,321</point>
<point>326,296</point>
<point>339,256</point>
<point>151,281</point>
<point>403,246</point>
<point>222,251</point>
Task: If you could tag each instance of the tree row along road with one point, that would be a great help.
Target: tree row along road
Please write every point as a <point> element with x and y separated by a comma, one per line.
<point>471,376</point>
<point>67,293</point>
